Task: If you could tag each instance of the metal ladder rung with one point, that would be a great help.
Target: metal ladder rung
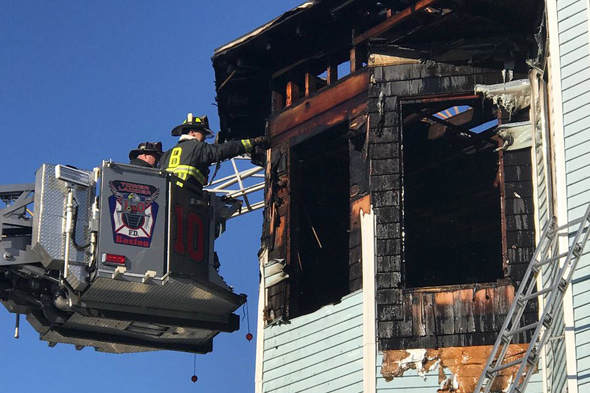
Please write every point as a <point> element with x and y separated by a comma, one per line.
<point>557,281</point>
<point>522,329</point>
<point>533,295</point>
<point>552,259</point>
<point>505,366</point>
<point>571,223</point>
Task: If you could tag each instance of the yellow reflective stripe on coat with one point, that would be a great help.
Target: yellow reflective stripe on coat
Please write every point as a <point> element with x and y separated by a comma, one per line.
<point>183,171</point>
<point>247,144</point>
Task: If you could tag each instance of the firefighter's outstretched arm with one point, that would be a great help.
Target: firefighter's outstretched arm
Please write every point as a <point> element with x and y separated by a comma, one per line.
<point>223,151</point>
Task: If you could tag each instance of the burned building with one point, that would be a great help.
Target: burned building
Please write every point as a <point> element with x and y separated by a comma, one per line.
<point>417,154</point>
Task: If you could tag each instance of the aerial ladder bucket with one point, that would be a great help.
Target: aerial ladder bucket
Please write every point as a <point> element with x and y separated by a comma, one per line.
<point>120,259</point>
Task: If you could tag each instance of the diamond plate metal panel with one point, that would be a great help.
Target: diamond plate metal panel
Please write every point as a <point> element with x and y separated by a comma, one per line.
<point>48,222</point>
<point>78,277</point>
<point>172,295</point>
<point>53,337</point>
<point>103,327</point>
<point>110,326</point>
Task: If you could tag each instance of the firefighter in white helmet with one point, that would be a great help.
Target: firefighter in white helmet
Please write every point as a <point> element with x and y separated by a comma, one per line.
<point>191,157</point>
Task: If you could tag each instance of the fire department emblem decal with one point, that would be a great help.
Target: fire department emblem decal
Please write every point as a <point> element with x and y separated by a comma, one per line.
<point>133,212</point>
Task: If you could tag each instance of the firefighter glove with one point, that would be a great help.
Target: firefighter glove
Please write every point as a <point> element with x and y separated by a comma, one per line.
<point>261,141</point>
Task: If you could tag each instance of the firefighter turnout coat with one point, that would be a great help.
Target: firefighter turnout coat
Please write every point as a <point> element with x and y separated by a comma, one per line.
<point>190,159</point>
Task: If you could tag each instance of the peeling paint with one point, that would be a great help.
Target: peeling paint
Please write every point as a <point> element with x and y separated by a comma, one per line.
<point>398,362</point>
<point>465,365</point>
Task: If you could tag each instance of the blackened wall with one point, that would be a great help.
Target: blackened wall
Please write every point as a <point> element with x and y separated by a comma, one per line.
<point>415,318</point>
<point>520,232</point>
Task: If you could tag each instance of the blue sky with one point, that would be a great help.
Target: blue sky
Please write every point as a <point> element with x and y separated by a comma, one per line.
<point>82,81</point>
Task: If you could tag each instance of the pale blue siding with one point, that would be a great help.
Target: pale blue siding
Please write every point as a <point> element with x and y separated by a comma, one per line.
<point>410,382</point>
<point>319,352</point>
<point>535,384</point>
<point>574,46</point>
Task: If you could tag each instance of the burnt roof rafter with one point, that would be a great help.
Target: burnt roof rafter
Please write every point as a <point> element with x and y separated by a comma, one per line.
<point>308,39</point>
<point>393,20</point>
<point>302,33</point>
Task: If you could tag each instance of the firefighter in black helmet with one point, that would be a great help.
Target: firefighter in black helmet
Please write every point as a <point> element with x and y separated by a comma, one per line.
<point>147,154</point>
<point>191,157</point>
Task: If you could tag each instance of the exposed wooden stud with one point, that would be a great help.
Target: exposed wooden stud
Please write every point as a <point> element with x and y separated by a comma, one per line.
<point>292,93</point>
<point>501,183</point>
<point>227,80</point>
<point>393,20</point>
<point>310,84</point>
<point>356,62</point>
<point>277,101</point>
<point>332,74</point>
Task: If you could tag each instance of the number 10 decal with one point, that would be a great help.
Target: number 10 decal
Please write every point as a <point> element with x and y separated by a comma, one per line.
<point>191,234</point>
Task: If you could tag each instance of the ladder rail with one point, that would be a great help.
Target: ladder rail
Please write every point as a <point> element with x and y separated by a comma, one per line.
<point>558,288</point>
<point>559,279</point>
<point>550,226</point>
<point>246,185</point>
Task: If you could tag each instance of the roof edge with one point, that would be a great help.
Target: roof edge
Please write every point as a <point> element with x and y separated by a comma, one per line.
<point>267,26</point>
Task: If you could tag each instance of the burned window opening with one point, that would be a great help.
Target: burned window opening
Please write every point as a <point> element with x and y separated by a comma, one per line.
<point>452,206</point>
<point>320,221</point>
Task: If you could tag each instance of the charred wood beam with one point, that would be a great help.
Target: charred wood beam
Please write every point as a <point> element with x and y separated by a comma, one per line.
<point>340,7</point>
<point>479,50</point>
<point>312,83</point>
<point>393,20</point>
<point>474,139</point>
<point>372,6</point>
<point>314,63</point>
<point>394,50</point>
<point>340,92</point>
<point>443,99</point>
<point>332,74</point>
<point>292,93</point>
<point>226,80</point>
<point>324,121</point>
<point>277,101</point>
<point>419,115</point>
<point>309,84</point>
<point>452,127</point>
<point>288,68</point>
<point>426,25</point>
<point>356,62</point>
